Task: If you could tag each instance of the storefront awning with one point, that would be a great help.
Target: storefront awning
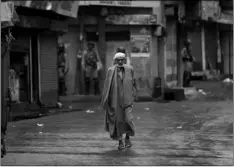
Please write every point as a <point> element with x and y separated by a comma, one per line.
<point>66,8</point>
<point>8,14</point>
<point>226,19</point>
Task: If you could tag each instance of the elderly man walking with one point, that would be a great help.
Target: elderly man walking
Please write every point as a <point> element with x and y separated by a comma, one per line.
<point>117,100</point>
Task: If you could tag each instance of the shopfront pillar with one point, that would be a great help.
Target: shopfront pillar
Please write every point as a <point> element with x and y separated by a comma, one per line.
<point>102,48</point>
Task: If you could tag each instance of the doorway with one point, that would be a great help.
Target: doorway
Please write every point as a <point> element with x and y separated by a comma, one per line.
<point>113,41</point>
<point>20,76</point>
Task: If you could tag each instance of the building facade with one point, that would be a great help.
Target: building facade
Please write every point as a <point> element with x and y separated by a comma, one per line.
<point>152,33</point>
<point>34,55</point>
<point>110,24</point>
<point>211,30</point>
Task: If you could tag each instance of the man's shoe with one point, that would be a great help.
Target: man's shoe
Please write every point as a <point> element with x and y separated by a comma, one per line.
<point>121,145</point>
<point>128,143</point>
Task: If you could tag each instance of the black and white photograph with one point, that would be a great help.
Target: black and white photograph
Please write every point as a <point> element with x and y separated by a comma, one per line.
<point>116,83</point>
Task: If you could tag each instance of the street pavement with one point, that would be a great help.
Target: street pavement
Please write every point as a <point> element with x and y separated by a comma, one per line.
<point>175,133</point>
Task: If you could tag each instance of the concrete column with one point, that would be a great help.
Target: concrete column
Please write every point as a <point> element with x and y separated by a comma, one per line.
<point>80,71</point>
<point>203,48</point>
<point>102,48</point>
<point>159,11</point>
<point>179,58</point>
<point>219,57</point>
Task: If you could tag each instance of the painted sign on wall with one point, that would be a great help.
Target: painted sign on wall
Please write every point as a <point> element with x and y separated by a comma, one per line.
<point>116,3</point>
<point>132,19</point>
<point>140,46</point>
<point>125,3</point>
<point>210,10</point>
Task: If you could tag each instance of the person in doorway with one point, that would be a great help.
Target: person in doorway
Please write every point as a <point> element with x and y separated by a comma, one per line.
<point>90,65</point>
<point>117,101</point>
<point>188,60</point>
<point>62,71</point>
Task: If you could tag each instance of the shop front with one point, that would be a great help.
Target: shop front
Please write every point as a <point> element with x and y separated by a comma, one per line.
<point>130,27</point>
<point>34,53</point>
<point>33,67</point>
<point>20,77</point>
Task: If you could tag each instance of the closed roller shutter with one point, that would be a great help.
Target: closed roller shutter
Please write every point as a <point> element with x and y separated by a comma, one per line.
<point>48,69</point>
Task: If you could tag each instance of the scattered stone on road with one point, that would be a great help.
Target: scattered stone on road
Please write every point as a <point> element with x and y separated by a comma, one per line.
<point>176,133</point>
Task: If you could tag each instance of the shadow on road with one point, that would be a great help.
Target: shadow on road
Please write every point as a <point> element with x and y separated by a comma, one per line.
<point>124,153</point>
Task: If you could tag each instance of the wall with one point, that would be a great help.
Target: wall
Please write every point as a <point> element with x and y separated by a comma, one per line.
<point>171,53</point>
<point>146,68</point>
<point>226,42</point>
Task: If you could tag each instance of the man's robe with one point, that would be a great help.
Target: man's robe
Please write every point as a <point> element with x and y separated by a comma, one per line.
<point>117,100</point>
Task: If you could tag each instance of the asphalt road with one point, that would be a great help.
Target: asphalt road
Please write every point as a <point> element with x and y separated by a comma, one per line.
<point>175,133</point>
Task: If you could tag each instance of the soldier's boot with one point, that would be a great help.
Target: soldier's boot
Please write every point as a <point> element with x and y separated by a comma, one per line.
<point>96,86</point>
<point>87,86</point>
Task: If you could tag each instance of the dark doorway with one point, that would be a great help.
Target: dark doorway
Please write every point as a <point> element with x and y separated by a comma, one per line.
<point>19,63</point>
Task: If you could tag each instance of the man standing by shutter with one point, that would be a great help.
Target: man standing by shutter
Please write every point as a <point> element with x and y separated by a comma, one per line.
<point>63,69</point>
<point>188,60</point>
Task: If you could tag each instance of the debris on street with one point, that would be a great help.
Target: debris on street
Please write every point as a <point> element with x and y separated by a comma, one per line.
<point>40,125</point>
<point>90,111</point>
<point>60,105</point>
<point>202,92</point>
<point>179,127</point>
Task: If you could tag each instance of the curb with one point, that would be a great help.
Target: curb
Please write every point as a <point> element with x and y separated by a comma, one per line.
<point>56,111</point>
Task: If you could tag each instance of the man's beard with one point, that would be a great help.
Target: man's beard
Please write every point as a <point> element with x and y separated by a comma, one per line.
<point>119,65</point>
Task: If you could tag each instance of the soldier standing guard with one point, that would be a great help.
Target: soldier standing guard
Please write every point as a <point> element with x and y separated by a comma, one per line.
<point>90,65</point>
<point>188,60</point>
<point>62,70</point>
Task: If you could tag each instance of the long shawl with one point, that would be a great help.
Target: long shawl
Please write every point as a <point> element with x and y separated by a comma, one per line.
<point>110,92</point>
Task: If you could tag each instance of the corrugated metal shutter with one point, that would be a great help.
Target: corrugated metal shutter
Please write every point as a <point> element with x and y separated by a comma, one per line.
<point>48,69</point>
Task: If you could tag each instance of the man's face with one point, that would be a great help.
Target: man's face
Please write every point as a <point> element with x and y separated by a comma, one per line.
<point>120,61</point>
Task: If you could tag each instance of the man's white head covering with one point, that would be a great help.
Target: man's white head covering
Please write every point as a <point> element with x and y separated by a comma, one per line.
<point>119,55</point>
